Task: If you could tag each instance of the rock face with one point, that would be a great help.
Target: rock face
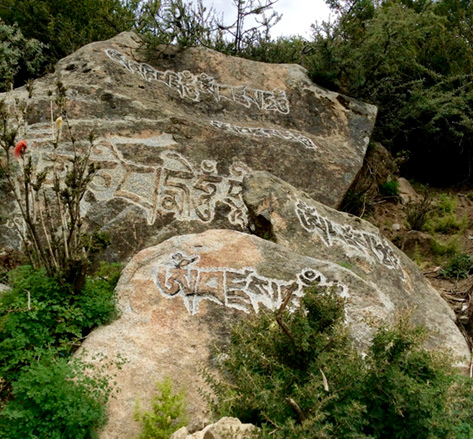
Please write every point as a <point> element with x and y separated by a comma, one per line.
<point>285,214</point>
<point>225,428</point>
<point>179,298</point>
<point>175,136</point>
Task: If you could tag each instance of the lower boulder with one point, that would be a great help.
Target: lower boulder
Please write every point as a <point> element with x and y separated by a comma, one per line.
<point>179,299</point>
<point>292,219</point>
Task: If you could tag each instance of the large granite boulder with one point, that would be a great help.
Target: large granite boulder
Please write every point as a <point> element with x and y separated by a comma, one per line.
<point>175,135</point>
<point>178,300</point>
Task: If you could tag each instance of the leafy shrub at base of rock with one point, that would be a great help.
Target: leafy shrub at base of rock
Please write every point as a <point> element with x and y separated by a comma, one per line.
<point>167,415</point>
<point>298,375</point>
<point>39,316</point>
<point>56,398</point>
<point>43,392</point>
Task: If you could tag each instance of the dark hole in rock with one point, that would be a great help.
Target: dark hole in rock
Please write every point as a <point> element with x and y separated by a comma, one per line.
<point>261,227</point>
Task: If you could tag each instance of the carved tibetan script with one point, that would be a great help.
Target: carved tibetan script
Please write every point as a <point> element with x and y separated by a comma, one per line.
<point>372,246</point>
<point>190,86</point>
<point>244,289</point>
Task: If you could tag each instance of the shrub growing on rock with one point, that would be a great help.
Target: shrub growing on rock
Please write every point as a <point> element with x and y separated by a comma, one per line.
<point>298,375</point>
<point>168,412</point>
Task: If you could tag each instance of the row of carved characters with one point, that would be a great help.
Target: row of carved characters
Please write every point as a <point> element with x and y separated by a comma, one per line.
<point>369,244</point>
<point>242,289</point>
<point>191,86</point>
<point>173,185</point>
<point>265,132</point>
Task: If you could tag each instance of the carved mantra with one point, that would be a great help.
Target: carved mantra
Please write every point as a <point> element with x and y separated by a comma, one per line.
<point>173,186</point>
<point>265,132</point>
<point>369,244</point>
<point>243,289</point>
<point>191,86</point>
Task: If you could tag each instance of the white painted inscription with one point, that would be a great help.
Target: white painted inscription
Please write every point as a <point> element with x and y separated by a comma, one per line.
<point>369,244</point>
<point>172,185</point>
<point>265,132</point>
<point>243,289</point>
<point>190,86</point>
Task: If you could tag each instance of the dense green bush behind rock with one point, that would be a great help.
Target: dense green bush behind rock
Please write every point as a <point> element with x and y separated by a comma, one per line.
<point>65,26</point>
<point>304,378</point>
<point>414,61</point>
<point>43,392</point>
<point>20,57</point>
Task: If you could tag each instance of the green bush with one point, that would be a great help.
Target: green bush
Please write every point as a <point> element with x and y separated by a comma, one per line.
<point>168,412</point>
<point>65,26</point>
<point>389,189</point>
<point>448,224</point>
<point>45,393</point>
<point>56,398</point>
<point>446,204</point>
<point>443,219</point>
<point>402,57</point>
<point>39,316</point>
<point>417,214</point>
<point>458,267</point>
<point>20,57</point>
<point>298,375</point>
<point>449,248</point>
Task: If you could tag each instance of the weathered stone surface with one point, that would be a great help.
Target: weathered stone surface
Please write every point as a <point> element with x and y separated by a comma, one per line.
<point>179,298</point>
<point>225,428</point>
<point>407,193</point>
<point>309,228</point>
<point>175,137</point>
<point>415,243</point>
<point>378,168</point>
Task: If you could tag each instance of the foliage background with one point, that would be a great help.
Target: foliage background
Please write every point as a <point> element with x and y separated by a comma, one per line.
<point>411,58</point>
<point>297,374</point>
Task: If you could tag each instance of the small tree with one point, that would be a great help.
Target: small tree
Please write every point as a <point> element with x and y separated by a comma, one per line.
<point>48,200</point>
<point>192,24</point>
<point>261,11</point>
<point>19,57</point>
<point>168,412</point>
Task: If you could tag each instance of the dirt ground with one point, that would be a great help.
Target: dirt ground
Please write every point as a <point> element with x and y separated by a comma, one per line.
<point>390,214</point>
<point>436,244</point>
